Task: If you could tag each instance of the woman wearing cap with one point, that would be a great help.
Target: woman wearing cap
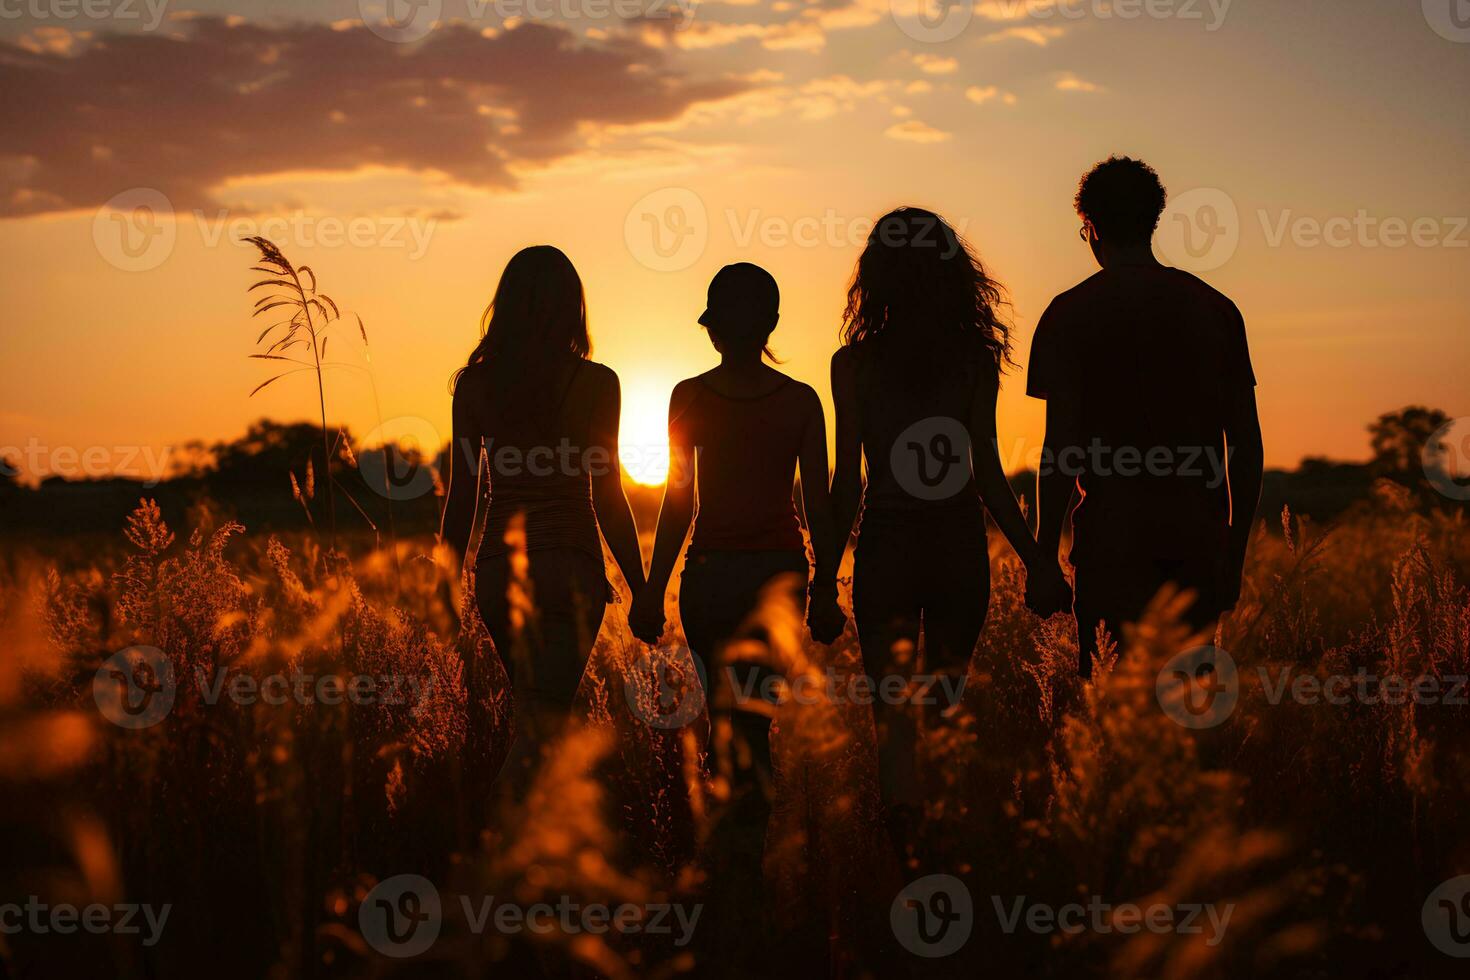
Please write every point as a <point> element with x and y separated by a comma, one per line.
<point>546,419</point>
<point>915,386</point>
<point>742,430</point>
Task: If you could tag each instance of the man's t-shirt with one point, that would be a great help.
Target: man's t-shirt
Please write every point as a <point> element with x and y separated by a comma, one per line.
<point>1153,356</point>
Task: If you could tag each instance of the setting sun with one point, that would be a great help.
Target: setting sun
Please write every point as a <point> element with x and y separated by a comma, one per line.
<point>644,441</point>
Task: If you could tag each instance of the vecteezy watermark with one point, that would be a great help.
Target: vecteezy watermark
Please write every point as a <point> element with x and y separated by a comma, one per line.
<point>667,230</point>
<point>397,459</point>
<point>1446,917</point>
<point>150,12</point>
<point>1199,687</point>
<point>136,231</point>
<point>150,463</point>
<point>134,688</point>
<point>1446,459</point>
<point>1450,19</point>
<point>403,916</point>
<point>932,916</point>
<point>1364,687</point>
<point>934,21</point>
<point>665,687</point>
<point>1363,230</point>
<point>64,919</point>
<point>1199,230</point>
<point>407,21</point>
<point>1102,917</point>
<point>137,687</point>
<point>930,459</point>
<point>834,687</point>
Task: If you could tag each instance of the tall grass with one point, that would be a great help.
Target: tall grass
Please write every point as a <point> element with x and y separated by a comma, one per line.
<point>265,825</point>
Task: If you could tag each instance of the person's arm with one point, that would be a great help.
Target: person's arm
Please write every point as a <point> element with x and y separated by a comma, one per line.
<point>614,515</point>
<point>1056,478</point>
<point>464,459</point>
<point>847,473</point>
<point>824,616</point>
<point>1044,582</point>
<point>1245,453</point>
<point>675,515</point>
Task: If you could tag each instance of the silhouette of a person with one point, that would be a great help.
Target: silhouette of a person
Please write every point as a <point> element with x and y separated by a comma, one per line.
<point>538,422</point>
<point>915,387</point>
<point>738,435</point>
<point>1150,419</point>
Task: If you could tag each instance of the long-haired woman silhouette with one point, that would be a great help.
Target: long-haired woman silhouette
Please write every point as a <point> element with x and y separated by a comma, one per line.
<point>915,386</point>
<point>538,422</point>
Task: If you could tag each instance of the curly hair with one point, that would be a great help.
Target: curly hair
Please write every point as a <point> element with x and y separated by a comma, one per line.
<point>920,286</point>
<point>1122,199</point>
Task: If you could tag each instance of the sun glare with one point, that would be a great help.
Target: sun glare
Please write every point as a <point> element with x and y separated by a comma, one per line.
<point>643,441</point>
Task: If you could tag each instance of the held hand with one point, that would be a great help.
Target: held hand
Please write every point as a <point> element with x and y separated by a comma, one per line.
<point>646,618</point>
<point>1047,591</point>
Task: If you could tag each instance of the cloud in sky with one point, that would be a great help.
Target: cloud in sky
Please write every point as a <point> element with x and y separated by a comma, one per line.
<point>983,94</point>
<point>916,131</point>
<point>1039,34</point>
<point>933,64</point>
<point>1071,83</point>
<point>223,99</point>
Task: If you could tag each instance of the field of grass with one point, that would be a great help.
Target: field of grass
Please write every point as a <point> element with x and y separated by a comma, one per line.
<point>1322,827</point>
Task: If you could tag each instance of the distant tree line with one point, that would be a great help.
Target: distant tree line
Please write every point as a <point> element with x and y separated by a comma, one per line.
<point>274,477</point>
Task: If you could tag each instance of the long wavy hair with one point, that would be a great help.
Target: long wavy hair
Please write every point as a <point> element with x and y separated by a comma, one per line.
<point>921,294</point>
<point>535,321</point>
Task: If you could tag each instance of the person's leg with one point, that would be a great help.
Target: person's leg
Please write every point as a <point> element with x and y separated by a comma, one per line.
<point>956,596</point>
<point>718,594</point>
<point>886,611</point>
<point>546,652</point>
<point>1109,596</point>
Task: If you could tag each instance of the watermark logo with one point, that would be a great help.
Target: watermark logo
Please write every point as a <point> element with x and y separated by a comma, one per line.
<point>931,458</point>
<point>932,916</point>
<point>41,918</point>
<point>397,458</point>
<point>400,21</point>
<point>932,21</point>
<point>1446,917</point>
<point>134,688</point>
<point>1100,916</point>
<point>135,231</point>
<point>1450,19</point>
<point>665,687</point>
<point>150,12</point>
<point>1199,230</point>
<point>667,230</point>
<point>402,916</point>
<point>1199,687</point>
<point>1446,459</point>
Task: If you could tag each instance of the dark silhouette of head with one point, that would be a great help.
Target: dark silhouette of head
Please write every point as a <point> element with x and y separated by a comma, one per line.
<point>743,306</point>
<point>537,318</point>
<point>920,290</point>
<point>1120,201</point>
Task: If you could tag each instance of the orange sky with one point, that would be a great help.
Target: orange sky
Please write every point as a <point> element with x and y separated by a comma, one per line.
<point>1322,150</point>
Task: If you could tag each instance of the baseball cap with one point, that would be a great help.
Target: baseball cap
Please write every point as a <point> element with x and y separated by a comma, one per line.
<point>742,295</point>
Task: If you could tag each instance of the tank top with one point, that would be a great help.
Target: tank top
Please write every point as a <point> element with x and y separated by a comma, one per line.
<point>541,471</point>
<point>914,434</point>
<point>747,451</point>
